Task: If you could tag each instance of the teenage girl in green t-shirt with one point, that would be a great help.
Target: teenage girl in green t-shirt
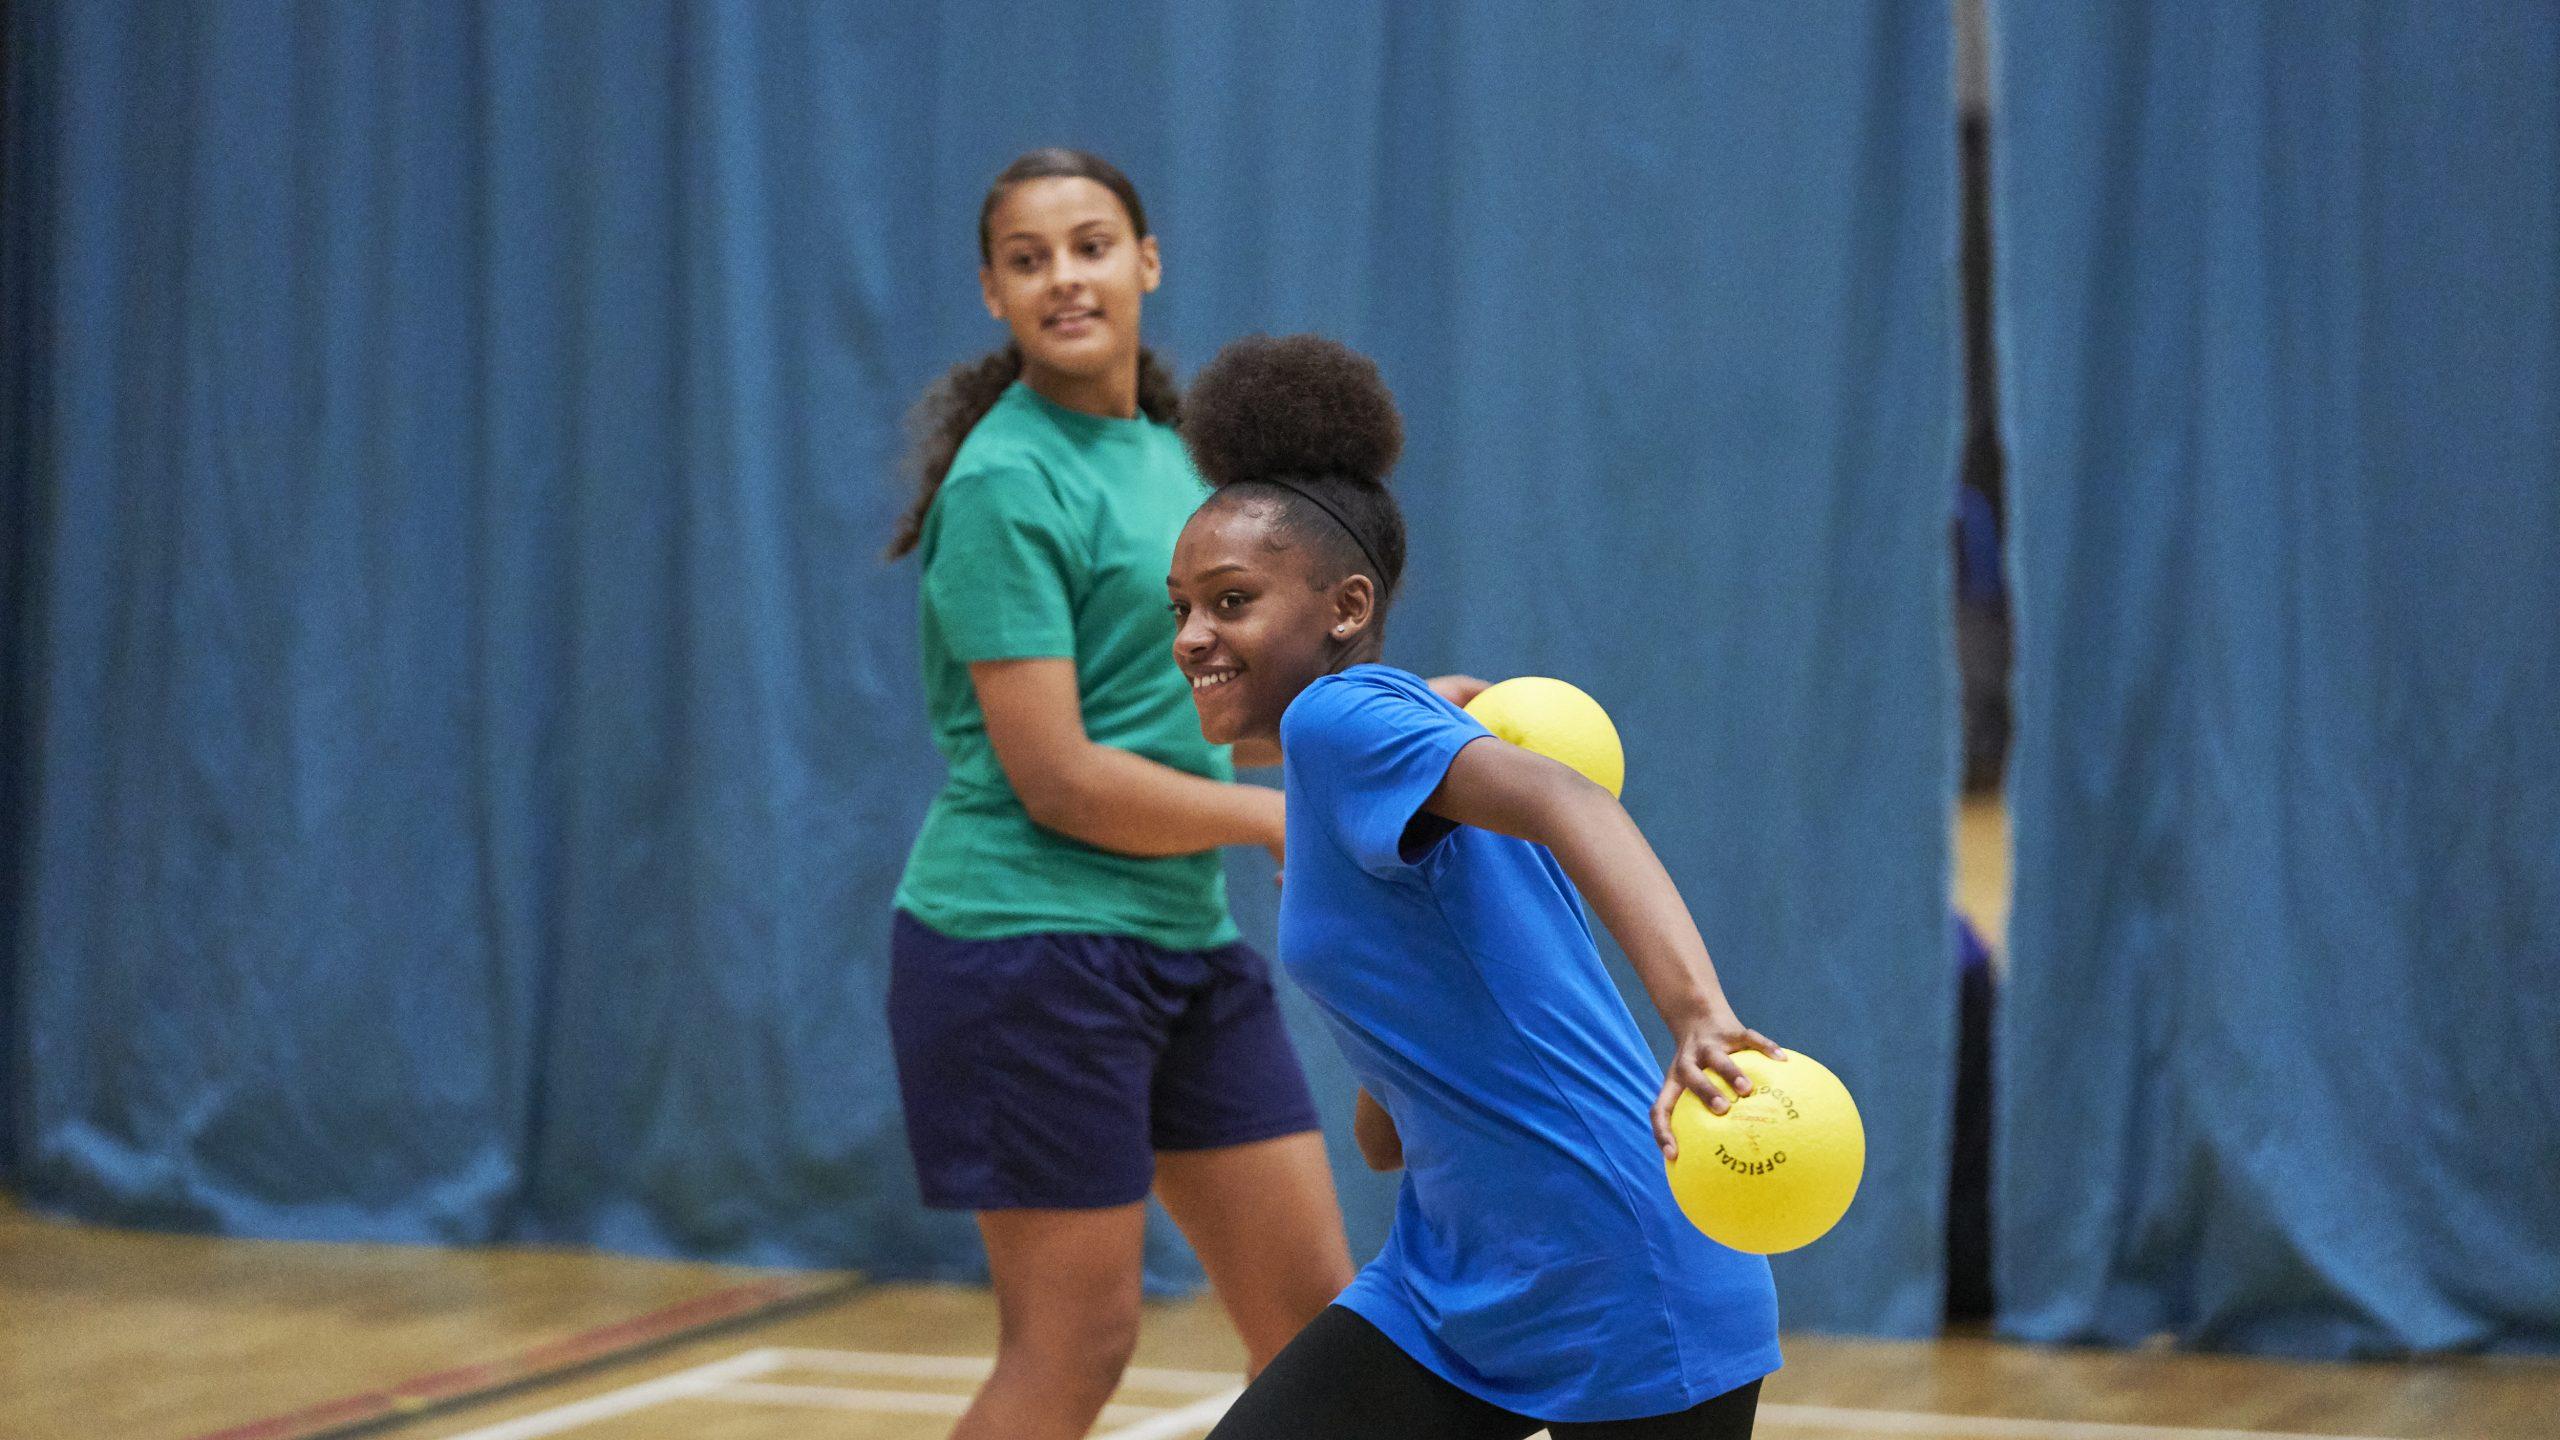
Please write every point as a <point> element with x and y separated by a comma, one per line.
<point>1074,1021</point>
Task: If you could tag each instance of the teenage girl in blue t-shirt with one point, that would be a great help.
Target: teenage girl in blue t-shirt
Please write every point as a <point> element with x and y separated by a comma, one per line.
<point>1539,1273</point>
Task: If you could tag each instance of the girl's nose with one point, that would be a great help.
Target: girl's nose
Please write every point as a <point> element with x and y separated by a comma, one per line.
<point>1194,637</point>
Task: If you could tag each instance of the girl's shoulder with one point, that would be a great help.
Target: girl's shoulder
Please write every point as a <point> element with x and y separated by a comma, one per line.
<point>997,486</point>
<point>1376,678</point>
<point>992,500</point>
<point>1007,462</point>
<point>997,447</point>
<point>1361,680</point>
<point>1366,698</point>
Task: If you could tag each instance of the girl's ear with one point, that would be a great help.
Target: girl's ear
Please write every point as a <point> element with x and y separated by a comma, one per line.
<point>1355,605</point>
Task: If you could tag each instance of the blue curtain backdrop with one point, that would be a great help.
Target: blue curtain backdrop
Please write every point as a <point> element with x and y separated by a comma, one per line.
<point>467,741</point>
<point>2281,300</point>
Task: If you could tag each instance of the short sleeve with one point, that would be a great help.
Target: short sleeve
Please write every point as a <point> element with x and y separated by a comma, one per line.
<point>1367,756</point>
<point>1002,567</point>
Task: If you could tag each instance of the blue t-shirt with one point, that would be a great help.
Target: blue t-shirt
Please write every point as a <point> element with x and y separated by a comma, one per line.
<point>1538,1260</point>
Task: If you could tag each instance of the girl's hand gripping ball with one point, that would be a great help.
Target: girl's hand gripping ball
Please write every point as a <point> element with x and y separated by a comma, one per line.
<point>1777,1169</point>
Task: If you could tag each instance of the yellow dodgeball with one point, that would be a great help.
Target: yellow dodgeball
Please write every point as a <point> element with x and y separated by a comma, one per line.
<point>1779,1168</point>
<point>1558,721</point>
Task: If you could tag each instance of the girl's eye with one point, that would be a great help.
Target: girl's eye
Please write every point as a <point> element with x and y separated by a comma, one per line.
<point>1093,248</point>
<point>1179,609</point>
<point>1024,262</point>
<point>1231,602</point>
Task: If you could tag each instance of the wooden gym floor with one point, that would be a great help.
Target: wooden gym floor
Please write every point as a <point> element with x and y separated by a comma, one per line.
<point>147,1337</point>
<point>111,1335</point>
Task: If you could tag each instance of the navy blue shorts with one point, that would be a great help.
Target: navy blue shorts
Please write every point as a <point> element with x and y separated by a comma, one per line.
<point>1045,1071</point>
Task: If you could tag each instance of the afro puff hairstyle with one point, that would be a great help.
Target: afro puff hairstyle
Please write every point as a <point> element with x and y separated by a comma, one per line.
<point>1296,405</point>
<point>1308,424</point>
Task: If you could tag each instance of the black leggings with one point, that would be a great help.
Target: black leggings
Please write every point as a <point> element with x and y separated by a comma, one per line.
<point>1342,1380</point>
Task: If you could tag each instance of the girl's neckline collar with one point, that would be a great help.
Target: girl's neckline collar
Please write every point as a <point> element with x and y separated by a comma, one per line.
<point>1067,414</point>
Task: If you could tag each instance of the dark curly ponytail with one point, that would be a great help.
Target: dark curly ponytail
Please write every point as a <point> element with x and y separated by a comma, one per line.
<point>953,405</point>
<point>1309,424</point>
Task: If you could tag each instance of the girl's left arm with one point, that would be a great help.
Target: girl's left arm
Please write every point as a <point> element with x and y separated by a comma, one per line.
<point>1494,785</point>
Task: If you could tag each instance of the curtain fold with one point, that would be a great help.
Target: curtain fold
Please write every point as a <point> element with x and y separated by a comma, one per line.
<point>2280,293</point>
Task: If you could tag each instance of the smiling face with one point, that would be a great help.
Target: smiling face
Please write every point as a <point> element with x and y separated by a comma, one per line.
<point>1065,272</point>
<point>1256,624</point>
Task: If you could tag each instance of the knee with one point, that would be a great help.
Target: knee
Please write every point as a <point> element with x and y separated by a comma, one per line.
<point>1088,1350</point>
<point>1107,1345</point>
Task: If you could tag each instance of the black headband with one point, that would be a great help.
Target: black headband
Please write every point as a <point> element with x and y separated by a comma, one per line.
<point>1384,584</point>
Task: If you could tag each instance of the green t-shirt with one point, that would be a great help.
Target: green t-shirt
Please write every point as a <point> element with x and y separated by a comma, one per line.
<point>1051,537</point>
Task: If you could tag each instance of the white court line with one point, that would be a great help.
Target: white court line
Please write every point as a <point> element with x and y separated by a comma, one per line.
<point>736,1374</point>
<point>978,1367</point>
<point>615,1403</point>
<point>891,1402</point>
<point>1923,1422</point>
<point>1192,1419</point>
<point>1897,1422</point>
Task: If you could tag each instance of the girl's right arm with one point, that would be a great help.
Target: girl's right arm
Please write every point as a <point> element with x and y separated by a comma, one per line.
<point>1494,785</point>
<point>1108,798</point>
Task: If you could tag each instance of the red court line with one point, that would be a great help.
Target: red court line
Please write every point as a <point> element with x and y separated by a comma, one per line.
<point>415,1396</point>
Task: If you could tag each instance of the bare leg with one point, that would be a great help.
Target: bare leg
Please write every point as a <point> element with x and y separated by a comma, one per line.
<point>1268,1228</point>
<point>1067,1290</point>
